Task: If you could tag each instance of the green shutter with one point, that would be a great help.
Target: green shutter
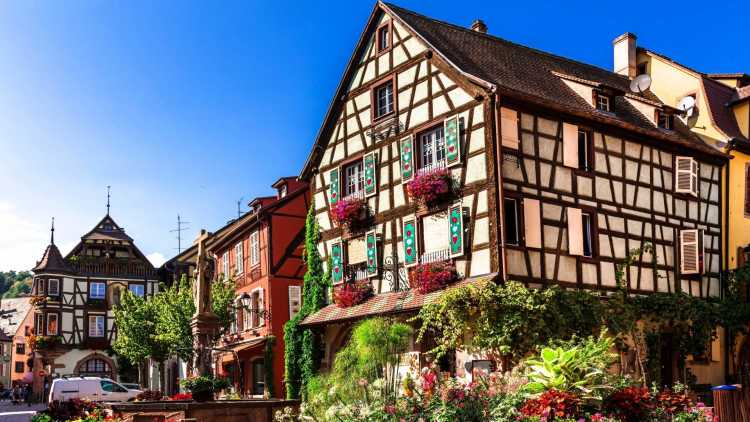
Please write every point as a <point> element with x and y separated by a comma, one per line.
<point>456,222</point>
<point>333,191</point>
<point>372,253</point>
<point>452,141</point>
<point>410,241</point>
<point>337,262</point>
<point>407,159</point>
<point>371,177</point>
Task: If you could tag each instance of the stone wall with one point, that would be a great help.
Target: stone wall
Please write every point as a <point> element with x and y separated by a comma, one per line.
<point>223,410</point>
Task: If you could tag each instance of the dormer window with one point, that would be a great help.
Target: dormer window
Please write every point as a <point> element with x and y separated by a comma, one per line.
<point>282,191</point>
<point>664,120</point>
<point>603,101</point>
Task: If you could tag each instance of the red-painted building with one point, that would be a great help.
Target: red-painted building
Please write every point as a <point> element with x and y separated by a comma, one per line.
<point>262,253</point>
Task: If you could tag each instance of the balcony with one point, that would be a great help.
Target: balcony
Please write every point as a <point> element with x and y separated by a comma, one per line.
<point>432,168</point>
<point>356,272</point>
<point>360,194</point>
<point>115,269</point>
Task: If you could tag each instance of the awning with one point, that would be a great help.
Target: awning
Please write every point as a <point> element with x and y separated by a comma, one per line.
<point>228,352</point>
<point>386,304</point>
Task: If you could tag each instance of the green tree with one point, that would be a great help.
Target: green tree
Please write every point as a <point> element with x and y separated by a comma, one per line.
<point>14,284</point>
<point>222,298</point>
<point>303,346</point>
<point>174,310</point>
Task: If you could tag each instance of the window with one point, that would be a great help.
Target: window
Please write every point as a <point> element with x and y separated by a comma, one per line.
<point>282,191</point>
<point>39,324</point>
<point>642,68</point>
<point>239,257</point>
<point>510,219</point>
<point>96,366</point>
<point>19,368</point>
<point>21,348</point>
<point>603,102</point>
<point>585,151</point>
<point>686,175</point>
<point>96,325</point>
<point>664,120</point>
<point>354,178</point>
<point>109,386</point>
<point>384,38</point>
<point>51,324</point>
<point>97,290</point>
<point>436,238</point>
<point>295,300</point>
<point>691,251</point>
<point>383,100</point>
<point>137,289</point>
<point>588,238</point>
<point>259,376</point>
<point>255,304</point>
<point>225,264</point>
<point>53,287</point>
<point>254,248</point>
<point>432,148</point>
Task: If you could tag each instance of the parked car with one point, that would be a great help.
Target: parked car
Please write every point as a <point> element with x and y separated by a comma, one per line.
<point>90,388</point>
<point>132,386</point>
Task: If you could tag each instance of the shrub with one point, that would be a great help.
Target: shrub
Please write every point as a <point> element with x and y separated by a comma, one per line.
<point>352,293</point>
<point>63,411</point>
<point>149,395</point>
<point>553,404</point>
<point>182,396</point>
<point>431,186</point>
<point>204,383</point>
<point>434,276</point>
<point>631,404</point>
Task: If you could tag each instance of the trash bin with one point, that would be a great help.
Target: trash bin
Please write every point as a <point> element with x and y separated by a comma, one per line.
<point>728,403</point>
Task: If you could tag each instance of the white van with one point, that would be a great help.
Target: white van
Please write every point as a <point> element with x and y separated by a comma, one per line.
<point>89,388</point>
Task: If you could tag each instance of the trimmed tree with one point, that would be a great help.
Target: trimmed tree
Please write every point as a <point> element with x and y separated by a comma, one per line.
<point>302,346</point>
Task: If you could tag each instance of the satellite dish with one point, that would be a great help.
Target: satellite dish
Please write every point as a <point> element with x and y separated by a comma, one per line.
<point>687,105</point>
<point>640,83</point>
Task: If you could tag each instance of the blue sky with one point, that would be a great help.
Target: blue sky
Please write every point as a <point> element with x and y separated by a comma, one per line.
<point>185,107</point>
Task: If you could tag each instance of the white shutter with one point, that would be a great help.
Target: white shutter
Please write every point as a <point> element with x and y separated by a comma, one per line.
<point>435,233</point>
<point>575,231</point>
<point>261,307</point>
<point>295,300</point>
<point>570,145</point>
<point>686,175</point>
<point>532,222</point>
<point>691,251</point>
<point>509,128</point>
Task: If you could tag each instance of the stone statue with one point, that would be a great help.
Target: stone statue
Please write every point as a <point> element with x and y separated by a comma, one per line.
<point>205,323</point>
<point>204,274</point>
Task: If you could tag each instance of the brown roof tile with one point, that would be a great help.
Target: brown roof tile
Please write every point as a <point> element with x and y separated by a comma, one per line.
<point>718,96</point>
<point>52,262</point>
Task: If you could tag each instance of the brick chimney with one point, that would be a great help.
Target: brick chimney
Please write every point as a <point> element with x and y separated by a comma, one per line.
<point>624,55</point>
<point>479,26</point>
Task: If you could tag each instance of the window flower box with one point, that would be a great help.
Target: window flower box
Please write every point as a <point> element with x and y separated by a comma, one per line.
<point>350,212</point>
<point>431,186</point>
<point>39,343</point>
<point>429,277</point>
<point>352,293</point>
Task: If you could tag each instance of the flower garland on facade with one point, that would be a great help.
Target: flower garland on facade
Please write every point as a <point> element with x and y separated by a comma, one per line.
<point>434,276</point>
<point>430,186</point>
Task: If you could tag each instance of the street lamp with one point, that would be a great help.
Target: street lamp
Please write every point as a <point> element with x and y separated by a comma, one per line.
<point>246,304</point>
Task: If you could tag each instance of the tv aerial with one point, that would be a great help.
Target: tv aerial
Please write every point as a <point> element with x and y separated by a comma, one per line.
<point>640,83</point>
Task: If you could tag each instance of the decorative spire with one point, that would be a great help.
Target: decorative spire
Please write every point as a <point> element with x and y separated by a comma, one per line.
<point>52,232</point>
<point>108,187</point>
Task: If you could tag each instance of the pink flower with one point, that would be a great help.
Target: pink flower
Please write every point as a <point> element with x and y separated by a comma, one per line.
<point>428,187</point>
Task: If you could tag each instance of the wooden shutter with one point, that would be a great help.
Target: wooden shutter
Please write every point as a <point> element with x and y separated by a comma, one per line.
<point>337,262</point>
<point>686,175</point>
<point>747,189</point>
<point>407,159</point>
<point>409,235</point>
<point>371,239</point>
<point>509,128</point>
<point>333,190</point>
<point>456,225</point>
<point>575,231</point>
<point>532,221</point>
<point>261,307</point>
<point>570,145</point>
<point>295,300</point>
<point>452,141</point>
<point>691,251</point>
<point>371,174</point>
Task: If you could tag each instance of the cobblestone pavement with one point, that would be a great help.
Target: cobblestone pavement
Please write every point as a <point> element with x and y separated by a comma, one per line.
<point>18,413</point>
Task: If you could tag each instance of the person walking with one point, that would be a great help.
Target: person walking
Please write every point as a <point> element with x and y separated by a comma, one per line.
<point>27,394</point>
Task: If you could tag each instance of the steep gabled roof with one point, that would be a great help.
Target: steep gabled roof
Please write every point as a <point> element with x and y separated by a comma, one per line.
<point>107,229</point>
<point>52,262</point>
<point>14,312</point>
<point>718,96</point>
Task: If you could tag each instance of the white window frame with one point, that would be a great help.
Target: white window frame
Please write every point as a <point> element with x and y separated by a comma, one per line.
<point>384,42</point>
<point>239,257</point>
<point>225,264</point>
<point>354,178</point>
<point>142,289</point>
<point>49,287</point>
<point>692,173</point>
<point>93,330</point>
<point>295,309</point>
<point>255,248</point>
<point>93,288</point>
<point>387,100</point>
<point>57,324</point>
<point>282,191</point>
<point>432,148</point>
<point>603,100</point>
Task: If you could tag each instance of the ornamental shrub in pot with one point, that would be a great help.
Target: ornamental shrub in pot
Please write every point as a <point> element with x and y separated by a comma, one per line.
<point>203,387</point>
<point>350,212</point>
<point>430,187</point>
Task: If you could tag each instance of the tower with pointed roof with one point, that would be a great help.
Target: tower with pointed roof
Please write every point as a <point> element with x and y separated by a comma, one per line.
<point>74,296</point>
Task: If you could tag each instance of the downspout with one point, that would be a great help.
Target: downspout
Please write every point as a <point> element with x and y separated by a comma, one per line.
<point>728,354</point>
<point>499,211</point>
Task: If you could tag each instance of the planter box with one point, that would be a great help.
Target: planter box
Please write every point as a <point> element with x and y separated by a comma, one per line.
<point>223,410</point>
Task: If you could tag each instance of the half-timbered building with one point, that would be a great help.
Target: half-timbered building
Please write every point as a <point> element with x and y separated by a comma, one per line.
<point>559,170</point>
<point>74,296</point>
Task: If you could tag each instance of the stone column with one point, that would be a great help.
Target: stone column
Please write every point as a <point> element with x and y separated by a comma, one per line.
<point>205,323</point>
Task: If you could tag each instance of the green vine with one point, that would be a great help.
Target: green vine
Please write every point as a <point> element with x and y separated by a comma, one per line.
<point>268,362</point>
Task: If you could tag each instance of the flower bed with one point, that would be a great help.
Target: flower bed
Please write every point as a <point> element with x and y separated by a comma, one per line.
<point>352,293</point>
<point>431,186</point>
<point>349,212</point>
<point>427,278</point>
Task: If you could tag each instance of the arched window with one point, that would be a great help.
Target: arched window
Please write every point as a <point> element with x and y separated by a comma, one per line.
<point>96,366</point>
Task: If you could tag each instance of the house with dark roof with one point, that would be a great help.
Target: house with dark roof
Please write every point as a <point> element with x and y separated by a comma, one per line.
<point>555,169</point>
<point>74,297</point>
<point>17,323</point>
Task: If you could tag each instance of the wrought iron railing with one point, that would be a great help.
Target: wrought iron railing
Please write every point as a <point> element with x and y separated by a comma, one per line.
<point>433,167</point>
<point>360,194</point>
<point>435,256</point>
<point>114,269</point>
<point>356,272</point>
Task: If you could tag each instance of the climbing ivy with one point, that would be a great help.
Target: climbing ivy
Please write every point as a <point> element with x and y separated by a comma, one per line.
<point>303,346</point>
<point>268,361</point>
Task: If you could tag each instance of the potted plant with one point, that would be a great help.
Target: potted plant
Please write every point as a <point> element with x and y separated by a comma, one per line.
<point>427,278</point>
<point>349,212</point>
<point>431,186</point>
<point>352,293</point>
<point>203,387</point>
<point>43,342</point>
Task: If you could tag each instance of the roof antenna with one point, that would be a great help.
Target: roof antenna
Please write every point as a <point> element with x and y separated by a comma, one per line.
<point>108,187</point>
<point>52,232</point>
<point>239,204</point>
<point>179,231</point>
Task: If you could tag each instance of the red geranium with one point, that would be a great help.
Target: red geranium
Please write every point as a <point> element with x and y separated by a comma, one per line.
<point>630,403</point>
<point>352,293</point>
<point>430,186</point>
<point>427,278</point>
<point>552,404</point>
<point>348,211</point>
<point>182,396</point>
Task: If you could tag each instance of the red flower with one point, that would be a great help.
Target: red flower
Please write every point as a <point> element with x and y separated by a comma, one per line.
<point>350,294</point>
<point>430,186</point>
<point>348,211</point>
<point>559,404</point>
<point>427,278</point>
